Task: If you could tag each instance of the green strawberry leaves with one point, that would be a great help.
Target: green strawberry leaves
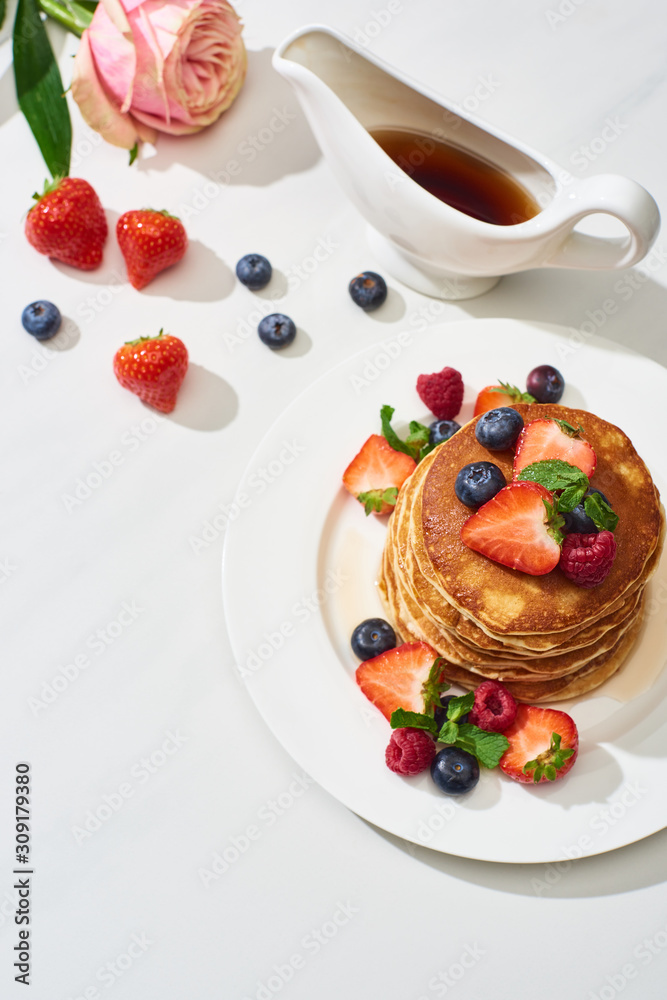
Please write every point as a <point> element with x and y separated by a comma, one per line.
<point>547,764</point>
<point>433,687</point>
<point>416,443</point>
<point>516,395</point>
<point>557,475</point>
<point>487,747</point>
<point>373,499</point>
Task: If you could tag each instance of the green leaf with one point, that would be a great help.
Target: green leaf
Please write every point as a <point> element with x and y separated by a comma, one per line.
<point>415,445</point>
<point>571,497</point>
<point>433,686</point>
<point>459,706</point>
<point>600,513</point>
<point>3,11</point>
<point>555,523</point>
<point>400,719</point>
<point>513,392</point>
<point>39,89</point>
<point>134,152</point>
<point>488,748</point>
<point>373,499</point>
<point>554,474</point>
<point>449,733</point>
<point>568,429</point>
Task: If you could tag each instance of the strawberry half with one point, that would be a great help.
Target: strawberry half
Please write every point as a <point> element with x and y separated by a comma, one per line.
<point>376,474</point>
<point>544,744</point>
<point>543,439</point>
<point>149,242</point>
<point>153,368</point>
<point>68,223</point>
<point>493,396</point>
<point>406,677</point>
<point>513,529</point>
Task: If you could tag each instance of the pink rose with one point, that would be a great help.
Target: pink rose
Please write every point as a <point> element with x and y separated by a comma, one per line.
<point>166,65</point>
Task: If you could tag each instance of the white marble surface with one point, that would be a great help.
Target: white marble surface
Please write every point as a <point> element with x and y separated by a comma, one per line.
<point>116,595</point>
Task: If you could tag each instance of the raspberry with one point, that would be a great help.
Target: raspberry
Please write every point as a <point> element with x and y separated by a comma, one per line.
<point>587,559</point>
<point>410,751</point>
<point>494,709</point>
<point>442,392</point>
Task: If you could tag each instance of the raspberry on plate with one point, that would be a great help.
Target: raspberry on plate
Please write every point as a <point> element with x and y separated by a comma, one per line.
<point>587,559</point>
<point>410,751</point>
<point>494,709</point>
<point>442,392</point>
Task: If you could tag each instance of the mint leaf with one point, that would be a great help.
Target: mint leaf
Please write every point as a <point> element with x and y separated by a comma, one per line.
<point>373,499</point>
<point>555,523</point>
<point>554,474</point>
<point>449,733</point>
<point>433,686</point>
<point>415,445</point>
<point>571,497</point>
<point>458,707</point>
<point>600,513</point>
<point>488,748</point>
<point>400,719</point>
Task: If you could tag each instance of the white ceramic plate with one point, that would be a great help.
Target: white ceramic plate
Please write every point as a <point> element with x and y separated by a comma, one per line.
<point>299,571</point>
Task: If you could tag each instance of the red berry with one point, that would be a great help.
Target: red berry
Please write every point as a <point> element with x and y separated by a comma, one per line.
<point>149,242</point>
<point>396,679</point>
<point>153,368</point>
<point>494,709</point>
<point>376,474</point>
<point>493,396</point>
<point>442,392</point>
<point>68,223</point>
<point>543,439</point>
<point>545,741</point>
<point>410,751</point>
<point>512,529</point>
<point>587,559</point>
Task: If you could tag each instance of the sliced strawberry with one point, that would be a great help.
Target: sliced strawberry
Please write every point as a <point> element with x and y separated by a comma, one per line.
<point>397,678</point>
<point>376,474</point>
<point>513,529</point>
<point>493,396</point>
<point>543,746</point>
<point>543,439</point>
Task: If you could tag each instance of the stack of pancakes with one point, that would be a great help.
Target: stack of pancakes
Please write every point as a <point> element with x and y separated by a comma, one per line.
<point>544,637</point>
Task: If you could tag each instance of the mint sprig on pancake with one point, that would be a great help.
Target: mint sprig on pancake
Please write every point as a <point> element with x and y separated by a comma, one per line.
<point>557,475</point>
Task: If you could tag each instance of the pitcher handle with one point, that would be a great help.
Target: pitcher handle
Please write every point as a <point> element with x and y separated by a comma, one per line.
<point>611,194</point>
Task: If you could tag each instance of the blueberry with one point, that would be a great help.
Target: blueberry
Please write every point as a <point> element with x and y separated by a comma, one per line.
<point>42,319</point>
<point>276,331</point>
<point>546,384</point>
<point>454,771</point>
<point>442,430</point>
<point>254,271</point>
<point>498,429</point>
<point>440,714</point>
<point>372,637</point>
<point>578,522</point>
<point>478,482</point>
<point>368,290</point>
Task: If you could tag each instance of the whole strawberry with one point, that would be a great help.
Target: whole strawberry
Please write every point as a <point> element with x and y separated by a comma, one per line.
<point>68,223</point>
<point>149,242</point>
<point>153,368</point>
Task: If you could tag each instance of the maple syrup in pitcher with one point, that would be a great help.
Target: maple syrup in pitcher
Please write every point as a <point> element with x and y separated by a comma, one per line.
<point>465,181</point>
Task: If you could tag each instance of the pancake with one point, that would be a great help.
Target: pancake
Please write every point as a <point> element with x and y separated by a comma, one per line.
<point>506,601</point>
<point>544,637</point>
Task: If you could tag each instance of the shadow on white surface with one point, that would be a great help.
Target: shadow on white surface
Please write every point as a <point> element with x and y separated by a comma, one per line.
<point>391,310</point>
<point>206,402</point>
<point>263,137</point>
<point>68,336</point>
<point>200,277</point>
<point>625,869</point>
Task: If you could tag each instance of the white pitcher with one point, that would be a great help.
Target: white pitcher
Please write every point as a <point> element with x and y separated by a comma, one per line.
<point>439,250</point>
